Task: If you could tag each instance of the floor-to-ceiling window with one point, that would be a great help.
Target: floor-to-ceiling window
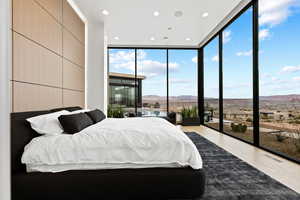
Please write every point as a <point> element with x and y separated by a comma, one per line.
<point>211,83</point>
<point>152,65</point>
<point>153,82</point>
<point>237,77</point>
<point>121,90</point>
<point>183,81</point>
<point>260,77</point>
<point>279,40</point>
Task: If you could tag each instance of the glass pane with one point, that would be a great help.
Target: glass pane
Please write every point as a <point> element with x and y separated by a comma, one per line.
<point>152,77</point>
<point>122,80</point>
<point>183,81</point>
<point>280,76</point>
<point>211,84</point>
<point>237,76</point>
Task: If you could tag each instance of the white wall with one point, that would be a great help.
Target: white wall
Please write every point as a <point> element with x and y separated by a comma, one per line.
<point>96,67</point>
<point>5,74</point>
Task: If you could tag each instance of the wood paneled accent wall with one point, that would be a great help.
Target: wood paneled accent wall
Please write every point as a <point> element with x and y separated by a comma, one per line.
<point>48,55</point>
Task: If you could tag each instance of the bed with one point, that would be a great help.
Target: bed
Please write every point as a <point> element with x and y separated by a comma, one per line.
<point>108,183</point>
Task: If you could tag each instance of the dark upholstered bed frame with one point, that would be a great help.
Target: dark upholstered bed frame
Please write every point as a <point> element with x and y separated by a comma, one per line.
<point>156,183</point>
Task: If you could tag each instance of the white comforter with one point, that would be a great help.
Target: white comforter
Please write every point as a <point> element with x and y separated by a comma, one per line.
<point>114,143</point>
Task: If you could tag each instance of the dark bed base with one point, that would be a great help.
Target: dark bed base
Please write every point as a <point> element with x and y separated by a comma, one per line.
<point>155,183</point>
<point>109,184</point>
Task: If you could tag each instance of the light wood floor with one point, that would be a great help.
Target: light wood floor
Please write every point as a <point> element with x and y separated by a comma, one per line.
<point>282,170</point>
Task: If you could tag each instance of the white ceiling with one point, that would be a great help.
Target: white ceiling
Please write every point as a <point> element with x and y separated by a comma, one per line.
<point>133,21</point>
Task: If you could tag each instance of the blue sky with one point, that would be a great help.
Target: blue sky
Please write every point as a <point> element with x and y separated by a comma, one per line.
<point>279,53</point>
<point>279,58</point>
<point>152,64</point>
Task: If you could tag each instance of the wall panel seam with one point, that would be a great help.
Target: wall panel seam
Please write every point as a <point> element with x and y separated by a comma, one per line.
<point>45,85</point>
<point>41,45</point>
<point>48,12</point>
<point>74,36</point>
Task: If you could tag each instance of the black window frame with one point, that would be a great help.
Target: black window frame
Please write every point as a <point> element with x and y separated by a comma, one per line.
<point>255,79</point>
<point>167,66</point>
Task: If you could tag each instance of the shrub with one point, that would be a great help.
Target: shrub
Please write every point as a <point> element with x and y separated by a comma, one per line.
<point>243,128</point>
<point>249,120</point>
<point>240,128</point>
<point>188,113</point>
<point>156,105</point>
<point>297,140</point>
<point>280,137</point>
<point>297,121</point>
<point>117,112</point>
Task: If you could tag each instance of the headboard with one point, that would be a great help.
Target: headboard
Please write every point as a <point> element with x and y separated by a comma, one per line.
<point>22,134</point>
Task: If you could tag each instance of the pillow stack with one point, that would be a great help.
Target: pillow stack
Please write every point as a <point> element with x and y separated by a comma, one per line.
<point>75,123</point>
<point>65,121</point>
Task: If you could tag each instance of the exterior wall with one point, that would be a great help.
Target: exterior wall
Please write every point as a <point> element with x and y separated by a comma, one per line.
<point>96,74</point>
<point>5,108</point>
<point>48,55</point>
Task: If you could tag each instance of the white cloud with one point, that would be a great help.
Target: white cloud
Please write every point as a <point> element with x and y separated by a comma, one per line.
<point>275,79</point>
<point>274,12</point>
<point>130,65</point>
<point>195,59</point>
<point>215,58</point>
<point>296,78</point>
<point>264,34</point>
<point>265,75</point>
<point>121,56</point>
<point>226,36</point>
<point>290,69</point>
<point>179,81</point>
<point>244,53</point>
<point>150,68</point>
<point>237,85</point>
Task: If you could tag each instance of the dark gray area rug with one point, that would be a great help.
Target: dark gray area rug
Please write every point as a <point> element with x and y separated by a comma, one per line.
<point>228,177</point>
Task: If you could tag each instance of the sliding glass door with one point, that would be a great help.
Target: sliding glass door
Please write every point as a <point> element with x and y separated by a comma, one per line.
<point>211,84</point>
<point>152,68</point>
<point>237,78</point>
<point>183,81</point>
<point>260,77</point>
<point>121,89</point>
<point>279,40</point>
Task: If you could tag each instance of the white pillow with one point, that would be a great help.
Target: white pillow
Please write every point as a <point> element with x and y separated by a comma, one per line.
<point>79,111</point>
<point>48,123</point>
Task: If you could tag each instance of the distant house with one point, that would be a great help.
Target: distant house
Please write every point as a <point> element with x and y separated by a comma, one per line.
<point>238,115</point>
<point>267,115</point>
<point>123,88</point>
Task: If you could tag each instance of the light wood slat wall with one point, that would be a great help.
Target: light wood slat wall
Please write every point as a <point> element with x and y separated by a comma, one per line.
<point>48,55</point>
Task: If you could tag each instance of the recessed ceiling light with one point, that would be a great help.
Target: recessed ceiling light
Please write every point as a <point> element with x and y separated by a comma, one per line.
<point>116,38</point>
<point>152,38</point>
<point>205,14</point>
<point>156,13</point>
<point>165,38</point>
<point>105,12</point>
<point>188,39</point>
<point>169,28</point>
<point>178,13</point>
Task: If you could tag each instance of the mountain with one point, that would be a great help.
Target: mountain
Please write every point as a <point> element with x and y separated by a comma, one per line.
<point>287,98</point>
<point>290,97</point>
<point>171,98</point>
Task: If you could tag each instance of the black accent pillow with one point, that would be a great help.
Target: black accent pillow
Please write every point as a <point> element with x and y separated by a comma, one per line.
<point>96,115</point>
<point>75,123</point>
